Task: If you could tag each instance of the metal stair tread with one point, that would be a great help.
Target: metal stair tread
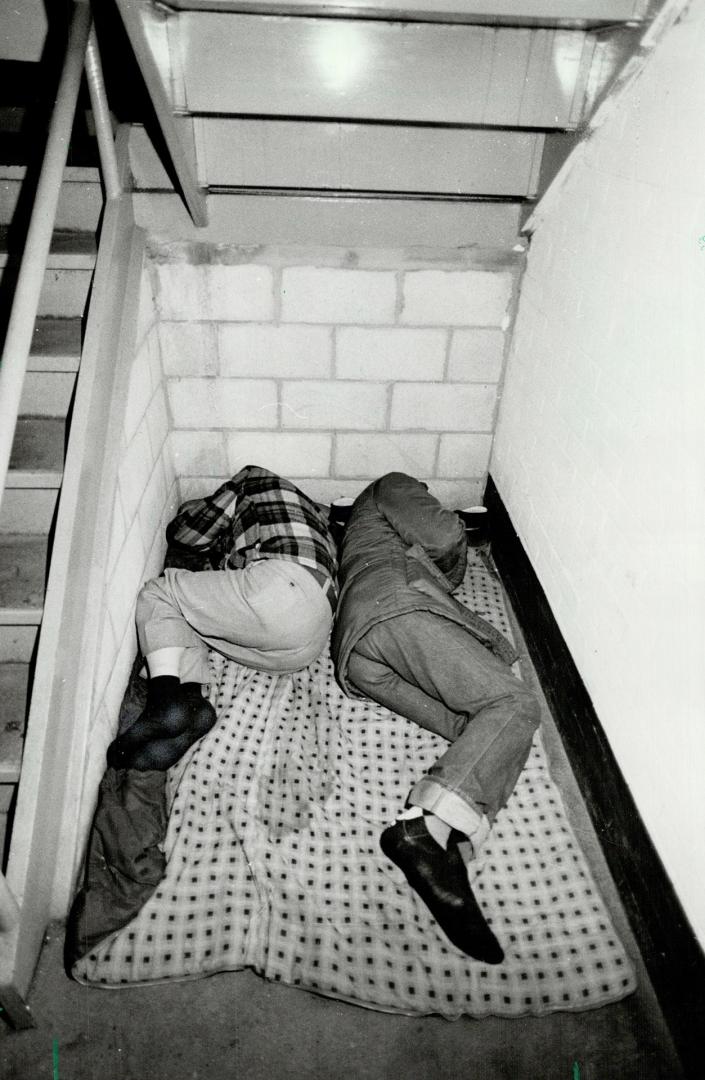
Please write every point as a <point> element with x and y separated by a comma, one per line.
<point>21,616</point>
<point>56,344</point>
<point>40,479</point>
<point>71,250</point>
<point>38,447</point>
<point>14,684</point>
<point>83,174</point>
<point>23,560</point>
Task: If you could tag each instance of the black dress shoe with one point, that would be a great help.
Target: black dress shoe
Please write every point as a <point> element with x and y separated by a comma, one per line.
<point>440,878</point>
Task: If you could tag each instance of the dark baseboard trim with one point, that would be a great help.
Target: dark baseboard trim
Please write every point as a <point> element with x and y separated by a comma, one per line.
<point>670,951</point>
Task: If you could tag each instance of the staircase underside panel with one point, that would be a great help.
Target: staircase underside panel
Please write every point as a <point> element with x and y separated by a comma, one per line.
<point>528,12</point>
<point>254,219</point>
<point>336,156</point>
<point>373,70</point>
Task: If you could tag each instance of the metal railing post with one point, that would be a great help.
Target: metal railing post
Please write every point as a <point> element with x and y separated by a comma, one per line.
<point>102,118</point>
<point>34,259</point>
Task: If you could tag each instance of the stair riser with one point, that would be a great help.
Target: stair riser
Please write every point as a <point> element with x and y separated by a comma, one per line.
<point>80,204</point>
<point>17,643</point>
<point>47,393</point>
<point>64,291</point>
<point>56,345</point>
<point>27,510</point>
<point>14,689</point>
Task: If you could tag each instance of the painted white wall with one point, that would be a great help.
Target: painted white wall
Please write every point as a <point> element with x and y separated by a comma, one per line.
<point>145,499</point>
<point>600,441</point>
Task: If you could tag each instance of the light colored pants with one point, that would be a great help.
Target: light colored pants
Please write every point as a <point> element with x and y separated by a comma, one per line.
<point>433,671</point>
<point>271,615</point>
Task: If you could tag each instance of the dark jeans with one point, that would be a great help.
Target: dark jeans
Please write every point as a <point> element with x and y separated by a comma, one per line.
<point>434,672</point>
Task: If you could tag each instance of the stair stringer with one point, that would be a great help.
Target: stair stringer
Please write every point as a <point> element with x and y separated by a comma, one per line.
<point>41,863</point>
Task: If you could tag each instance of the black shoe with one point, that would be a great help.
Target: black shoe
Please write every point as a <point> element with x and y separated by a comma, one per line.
<point>440,878</point>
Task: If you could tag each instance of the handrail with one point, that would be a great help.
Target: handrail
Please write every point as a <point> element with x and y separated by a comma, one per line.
<point>36,252</point>
<point>46,819</point>
<point>101,119</point>
<point>82,47</point>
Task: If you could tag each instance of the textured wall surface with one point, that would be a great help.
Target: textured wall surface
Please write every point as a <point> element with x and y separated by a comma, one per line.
<point>332,367</point>
<point>145,499</point>
<point>600,439</point>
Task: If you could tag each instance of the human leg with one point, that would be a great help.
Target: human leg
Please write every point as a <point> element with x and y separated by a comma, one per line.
<point>176,714</point>
<point>447,682</point>
<point>271,615</point>
<point>434,672</point>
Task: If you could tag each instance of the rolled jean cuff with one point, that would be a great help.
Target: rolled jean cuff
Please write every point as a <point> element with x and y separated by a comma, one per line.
<point>451,808</point>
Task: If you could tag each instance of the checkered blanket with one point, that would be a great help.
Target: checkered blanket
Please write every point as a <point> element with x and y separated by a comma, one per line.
<point>273,863</point>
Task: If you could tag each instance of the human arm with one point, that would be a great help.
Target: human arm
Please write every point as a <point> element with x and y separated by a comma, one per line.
<point>418,518</point>
<point>201,523</point>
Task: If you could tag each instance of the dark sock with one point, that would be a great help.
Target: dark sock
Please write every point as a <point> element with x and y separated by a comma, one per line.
<point>166,714</point>
<point>162,753</point>
<point>161,687</point>
<point>176,715</point>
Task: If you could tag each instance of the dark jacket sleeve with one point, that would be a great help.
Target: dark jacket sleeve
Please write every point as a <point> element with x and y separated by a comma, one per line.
<point>418,518</point>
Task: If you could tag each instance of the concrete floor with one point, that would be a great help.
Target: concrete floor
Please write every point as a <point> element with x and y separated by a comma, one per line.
<point>238,1026</point>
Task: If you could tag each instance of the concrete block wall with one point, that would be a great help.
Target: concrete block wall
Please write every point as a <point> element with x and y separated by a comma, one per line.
<point>145,499</point>
<point>332,367</point>
<point>600,440</point>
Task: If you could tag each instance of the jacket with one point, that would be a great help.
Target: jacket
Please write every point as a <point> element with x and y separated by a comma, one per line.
<point>402,552</point>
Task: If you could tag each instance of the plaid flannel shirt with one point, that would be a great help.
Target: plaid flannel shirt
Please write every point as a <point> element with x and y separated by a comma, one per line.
<point>255,515</point>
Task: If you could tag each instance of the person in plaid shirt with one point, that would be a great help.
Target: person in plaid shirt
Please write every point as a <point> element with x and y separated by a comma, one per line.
<point>265,600</point>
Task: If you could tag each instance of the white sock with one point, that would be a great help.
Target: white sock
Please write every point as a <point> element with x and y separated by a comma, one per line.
<point>439,830</point>
<point>164,661</point>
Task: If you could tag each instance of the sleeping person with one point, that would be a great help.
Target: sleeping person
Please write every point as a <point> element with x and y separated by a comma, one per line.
<point>402,640</point>
<point>267,603</point>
